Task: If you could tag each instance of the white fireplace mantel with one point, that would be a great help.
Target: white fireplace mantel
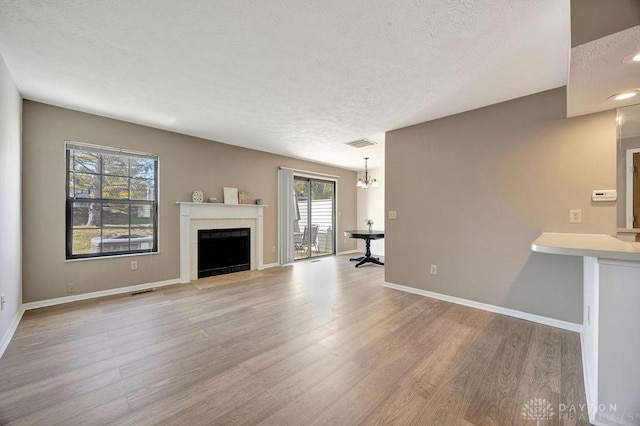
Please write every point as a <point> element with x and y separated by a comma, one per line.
<point>194,216</point>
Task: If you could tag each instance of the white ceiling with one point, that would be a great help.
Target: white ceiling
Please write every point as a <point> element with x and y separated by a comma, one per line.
<point>298,78</point>
<point>599,70</point>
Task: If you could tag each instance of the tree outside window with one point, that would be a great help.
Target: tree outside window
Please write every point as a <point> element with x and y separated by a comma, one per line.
<point>111,201</point>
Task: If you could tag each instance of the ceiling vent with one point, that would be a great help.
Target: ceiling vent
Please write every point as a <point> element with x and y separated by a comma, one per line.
<point>360,143</point>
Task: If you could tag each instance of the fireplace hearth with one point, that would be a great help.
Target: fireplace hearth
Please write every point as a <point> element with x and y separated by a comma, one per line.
<point>223,251</point>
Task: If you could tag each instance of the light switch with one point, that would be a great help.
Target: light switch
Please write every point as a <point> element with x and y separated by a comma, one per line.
<point>392,214</point>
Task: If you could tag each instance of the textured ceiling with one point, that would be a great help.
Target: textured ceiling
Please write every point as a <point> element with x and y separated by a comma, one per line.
<point>293,77</point>
<point>598,71</point>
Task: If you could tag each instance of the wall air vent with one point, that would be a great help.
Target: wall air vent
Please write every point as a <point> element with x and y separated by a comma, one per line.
<point>360,143</point>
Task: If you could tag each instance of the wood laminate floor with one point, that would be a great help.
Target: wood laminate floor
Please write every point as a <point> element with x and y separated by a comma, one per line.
<point>314,343</point>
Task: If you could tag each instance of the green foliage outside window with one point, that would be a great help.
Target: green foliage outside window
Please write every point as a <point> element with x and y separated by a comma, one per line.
<point>111,201</point>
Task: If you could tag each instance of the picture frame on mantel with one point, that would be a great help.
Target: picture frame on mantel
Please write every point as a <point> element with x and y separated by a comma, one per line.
<point>230,195</point>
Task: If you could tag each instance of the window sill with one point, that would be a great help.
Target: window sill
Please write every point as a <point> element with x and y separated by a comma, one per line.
<point>118,256</point>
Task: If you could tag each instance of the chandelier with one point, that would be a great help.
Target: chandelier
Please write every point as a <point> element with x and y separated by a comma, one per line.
<point>367,182</point>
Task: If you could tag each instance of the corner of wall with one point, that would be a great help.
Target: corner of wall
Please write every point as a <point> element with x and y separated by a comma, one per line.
<point>11,208</point>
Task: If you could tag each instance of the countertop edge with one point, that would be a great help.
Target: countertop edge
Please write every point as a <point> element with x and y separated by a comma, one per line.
<point>599,245</point>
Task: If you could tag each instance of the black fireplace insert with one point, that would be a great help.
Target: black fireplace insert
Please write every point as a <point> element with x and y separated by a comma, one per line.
<point>222,251</point>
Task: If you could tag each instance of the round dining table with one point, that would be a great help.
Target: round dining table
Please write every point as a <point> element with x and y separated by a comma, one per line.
<point>367,236</point>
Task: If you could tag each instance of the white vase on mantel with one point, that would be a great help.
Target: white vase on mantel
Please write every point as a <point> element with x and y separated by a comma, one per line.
<point>197,196</point>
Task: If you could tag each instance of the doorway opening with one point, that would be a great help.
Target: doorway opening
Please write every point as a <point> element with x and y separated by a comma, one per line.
<point>315,218</point>
<point>633,188</point>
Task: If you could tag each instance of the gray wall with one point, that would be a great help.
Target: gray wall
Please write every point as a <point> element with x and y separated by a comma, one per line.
<point>594,19</point>
<point>186,164</point>
<point>473,190</point>
<point>10,241</point>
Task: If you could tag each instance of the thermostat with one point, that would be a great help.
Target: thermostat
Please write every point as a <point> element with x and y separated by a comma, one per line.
<point>604,195</point>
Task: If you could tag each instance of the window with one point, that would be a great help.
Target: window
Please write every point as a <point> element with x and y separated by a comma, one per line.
<point>112,201</point>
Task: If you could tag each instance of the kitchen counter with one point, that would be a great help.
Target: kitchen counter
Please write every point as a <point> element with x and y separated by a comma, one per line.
<point>592,245</point>
<point>610,321</point>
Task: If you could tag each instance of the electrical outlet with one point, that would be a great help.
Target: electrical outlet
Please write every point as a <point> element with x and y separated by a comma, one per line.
<point>2,302</point>
<point>134,265</point>
<point>71,288</point>
<point>434,269</point>
<point>575,216</point>
<point>393,214</point>
<point>273,249</point>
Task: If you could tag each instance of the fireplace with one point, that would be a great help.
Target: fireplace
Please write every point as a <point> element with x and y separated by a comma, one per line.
<point>223,251</point>
<point>197,216</point>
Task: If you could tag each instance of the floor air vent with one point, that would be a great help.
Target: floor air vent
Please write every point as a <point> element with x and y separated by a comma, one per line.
<point>149,290</point>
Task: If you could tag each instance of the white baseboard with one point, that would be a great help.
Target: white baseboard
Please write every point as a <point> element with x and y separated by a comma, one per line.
<point>340,253</point>
<point>565,325</point>
<point>270,265</point>
<point>96,294</point>
<point>12,329</point>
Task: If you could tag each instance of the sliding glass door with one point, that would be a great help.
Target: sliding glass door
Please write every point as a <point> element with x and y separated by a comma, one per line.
<point>314,221</point>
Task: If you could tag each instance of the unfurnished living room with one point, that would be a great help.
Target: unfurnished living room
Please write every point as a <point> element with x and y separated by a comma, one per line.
<point>294,212</point>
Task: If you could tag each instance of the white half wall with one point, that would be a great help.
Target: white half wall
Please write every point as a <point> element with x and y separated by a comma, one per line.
<point>10,206</point>
<point>371,206</point>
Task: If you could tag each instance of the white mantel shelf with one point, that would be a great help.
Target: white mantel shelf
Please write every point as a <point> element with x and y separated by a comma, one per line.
<point>202,215</point>
<point>221,204</point>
